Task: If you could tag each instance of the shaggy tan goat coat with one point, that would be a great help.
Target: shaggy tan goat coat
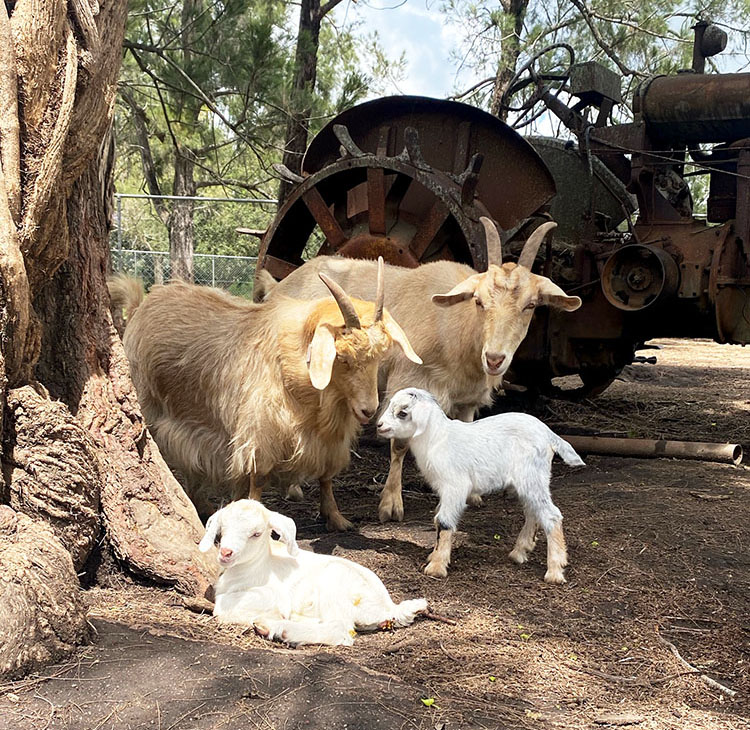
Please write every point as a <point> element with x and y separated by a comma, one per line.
<point>233,389</point>
<point>459,321</point>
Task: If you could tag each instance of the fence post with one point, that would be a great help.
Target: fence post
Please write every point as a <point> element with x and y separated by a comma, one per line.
<point>213,271</point>
<point>119,223</point>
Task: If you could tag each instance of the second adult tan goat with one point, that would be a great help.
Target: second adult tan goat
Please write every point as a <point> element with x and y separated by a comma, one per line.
<point>466,325</point>
<point>236,392</point>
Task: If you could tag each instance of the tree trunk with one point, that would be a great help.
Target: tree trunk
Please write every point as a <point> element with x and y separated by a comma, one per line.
<point>75,452</point>
<point>305,73</point>
<point>514,12</point>
<point>181,239</point>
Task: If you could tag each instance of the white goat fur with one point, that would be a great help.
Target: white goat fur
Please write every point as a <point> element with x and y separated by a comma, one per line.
<point>454,317</point>
<point>509,451</point>
<point>290,594</point>
<point>233,390</point>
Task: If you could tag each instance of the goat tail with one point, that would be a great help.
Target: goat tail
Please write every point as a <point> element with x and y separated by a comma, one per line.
<point>405,612</point>
<point>126,293</point>
<point>567,453</point>
<point>264,284</point>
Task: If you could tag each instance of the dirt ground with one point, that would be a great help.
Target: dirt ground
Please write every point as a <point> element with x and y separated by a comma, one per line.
<point>659,567</point>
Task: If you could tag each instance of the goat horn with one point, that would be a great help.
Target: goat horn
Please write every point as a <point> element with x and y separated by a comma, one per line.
<point>531,247</point>
<point>351,320</point>
<point>494,244</point>
<point>380,298</point>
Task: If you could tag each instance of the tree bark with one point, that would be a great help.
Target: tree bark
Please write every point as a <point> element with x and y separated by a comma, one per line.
<point>305,74</point>
<point>181,238</point>
<point>514,12</point>
<point>76,455</point>
<point>36,571</point>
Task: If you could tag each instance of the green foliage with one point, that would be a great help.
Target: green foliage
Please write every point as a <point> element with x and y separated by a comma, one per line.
<point>213,80</point>
<point>635,38</point>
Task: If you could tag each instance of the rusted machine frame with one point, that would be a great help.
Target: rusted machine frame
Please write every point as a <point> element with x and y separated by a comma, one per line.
<point>668,274</point>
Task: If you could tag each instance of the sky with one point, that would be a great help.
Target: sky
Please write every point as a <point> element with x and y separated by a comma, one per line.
<point>418,28</point>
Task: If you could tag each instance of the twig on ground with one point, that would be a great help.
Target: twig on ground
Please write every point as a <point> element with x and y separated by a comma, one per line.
<point>710,497</point>
<point>704,678</point>
<point>398,645</point>
<point>427,613</point>
<point>448,654</point>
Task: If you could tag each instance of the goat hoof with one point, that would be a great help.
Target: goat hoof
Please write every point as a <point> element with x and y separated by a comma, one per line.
<point>261,631</point>
<point>555,577</point>
<point>474,500</point>
<point>518,556</point>
<point>436,570</point>
<point>294,493</point>
<point>338,523</point>
<point>391,509</point>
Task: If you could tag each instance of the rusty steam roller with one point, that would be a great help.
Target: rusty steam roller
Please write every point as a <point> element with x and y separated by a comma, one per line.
<point>408,178</point>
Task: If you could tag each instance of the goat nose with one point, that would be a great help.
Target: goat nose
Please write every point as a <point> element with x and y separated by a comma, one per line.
<point>225,552</point>
<point>494,360</point>
<point>368,412</point>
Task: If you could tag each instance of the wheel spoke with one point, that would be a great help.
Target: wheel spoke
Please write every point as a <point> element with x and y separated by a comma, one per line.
<point>324,218</point>
<point>278,268</point>
<point>428,229</point>
<point>376,200</point>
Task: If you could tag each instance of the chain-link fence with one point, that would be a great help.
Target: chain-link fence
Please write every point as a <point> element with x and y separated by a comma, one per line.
<point>223,258</point>
<point>234,273</point>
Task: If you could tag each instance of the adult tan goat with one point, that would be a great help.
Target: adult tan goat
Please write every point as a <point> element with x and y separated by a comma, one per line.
<point>467,341</point>
<point>235,391</point>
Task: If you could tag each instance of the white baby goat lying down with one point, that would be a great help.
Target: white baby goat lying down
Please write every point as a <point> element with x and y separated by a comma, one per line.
<point>289,594</point>
<point>462,460</point>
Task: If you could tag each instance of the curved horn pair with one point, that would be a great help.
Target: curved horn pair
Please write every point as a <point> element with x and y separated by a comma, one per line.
<point>530,248</point>
<point>351,319</point>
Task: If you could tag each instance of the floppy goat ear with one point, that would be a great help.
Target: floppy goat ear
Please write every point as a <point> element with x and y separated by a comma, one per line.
<point>460,293</point>
<point>286,530</point>
<point>553,296</point>
<point>212,530</point>
<point>320,356</point>
<point>399,337</point>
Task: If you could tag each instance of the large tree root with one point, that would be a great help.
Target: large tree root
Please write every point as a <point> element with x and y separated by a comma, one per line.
<point>42,616</point>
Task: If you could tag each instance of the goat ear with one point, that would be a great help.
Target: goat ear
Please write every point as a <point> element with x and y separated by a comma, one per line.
<point>321,356</point>
<point>286,530</point>
<point>553,296</point>
<point>399,337</point>
<point>460,293</point>
<point>212,530</point>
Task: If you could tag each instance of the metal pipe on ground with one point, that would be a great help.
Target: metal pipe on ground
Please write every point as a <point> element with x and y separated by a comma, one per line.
<point>726,453</point>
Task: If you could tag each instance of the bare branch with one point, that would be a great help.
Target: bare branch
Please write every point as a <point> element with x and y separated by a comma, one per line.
<point>147,159</point>
<point>606,47</point>
<point>327,7</point>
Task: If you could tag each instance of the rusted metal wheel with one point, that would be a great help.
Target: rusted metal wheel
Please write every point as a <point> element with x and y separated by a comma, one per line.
<point>406,178</point>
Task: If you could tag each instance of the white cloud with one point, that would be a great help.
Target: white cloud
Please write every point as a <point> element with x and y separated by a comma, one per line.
<point>415,28</point>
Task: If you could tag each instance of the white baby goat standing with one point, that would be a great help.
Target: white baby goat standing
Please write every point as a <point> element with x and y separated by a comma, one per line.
<point>289,594</point>
<point>459,460</point>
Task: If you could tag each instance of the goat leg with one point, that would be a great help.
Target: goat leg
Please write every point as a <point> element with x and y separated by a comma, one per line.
<point>391,502</point>
<point>256,487</point>
<point>335,521</point>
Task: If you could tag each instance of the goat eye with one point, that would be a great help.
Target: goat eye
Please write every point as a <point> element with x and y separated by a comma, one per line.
<point>402,415</point>
<point>256,534</point>
<point>530,305</point>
